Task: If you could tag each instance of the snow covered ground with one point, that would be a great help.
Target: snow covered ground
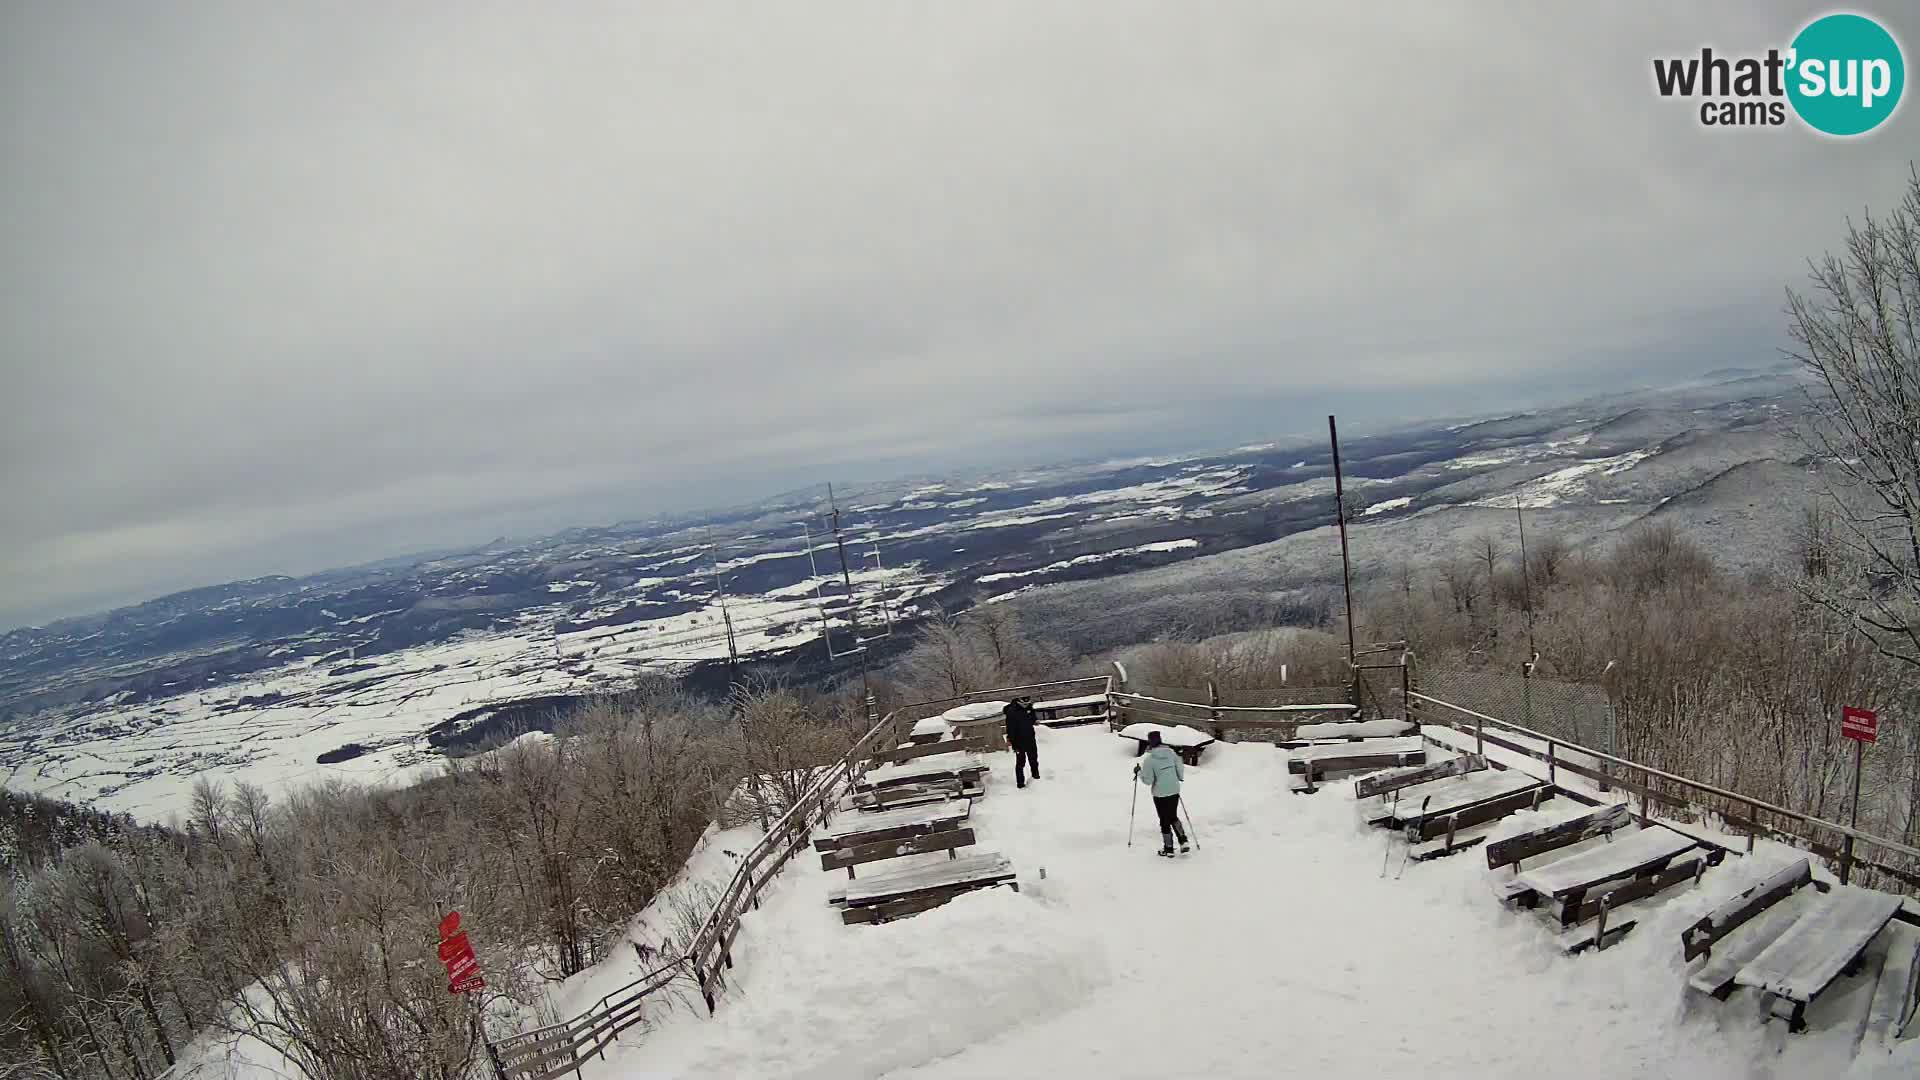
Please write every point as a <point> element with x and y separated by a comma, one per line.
<point>1280,948</point>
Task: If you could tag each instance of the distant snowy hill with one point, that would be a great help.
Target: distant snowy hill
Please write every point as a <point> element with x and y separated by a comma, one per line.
<point>374,671</point>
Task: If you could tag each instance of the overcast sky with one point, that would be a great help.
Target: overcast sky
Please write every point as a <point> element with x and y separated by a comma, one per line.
<point>289,289</point>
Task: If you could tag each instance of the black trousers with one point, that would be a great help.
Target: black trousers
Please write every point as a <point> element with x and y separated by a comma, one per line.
<point>1026,754</point>
<point>1168,807</point>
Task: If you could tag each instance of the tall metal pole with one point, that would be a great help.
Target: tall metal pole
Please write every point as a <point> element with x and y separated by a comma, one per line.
<point>1346,568</point>
<point>1853,816</point>
<point>853,610</point>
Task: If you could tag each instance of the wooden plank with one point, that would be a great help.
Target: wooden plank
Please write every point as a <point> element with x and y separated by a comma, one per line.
<point>923,844</point>
<point>1738,948</point>
<point>1368,753</point>
<point>913,751</point>
<point>1526,845</point>
<point>1815,949</point>
<point>1625,855</point>
<point>912,905</point>
<point>871,828</point>
<point>1640,887</point>
<point>1381,783</point>
<point>1076,720</point>
<point>1466,817</point>
<point>1450,794</point>
<point>1893,994</point>
<point>984,866</point>
<point>1698,939</point>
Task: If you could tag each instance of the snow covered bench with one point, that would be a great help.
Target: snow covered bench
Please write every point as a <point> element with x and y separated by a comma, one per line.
<point>1312,762</point>
<point>1513,850</point>
<point>1350,731</point>
<point>1700,938</point>
<point>1423,809</point>
<point>1628,867</point>
<point>920,888</point>
<point>1187,742</point>
<point>895,796</point>
<point>1826,941</point>
<point>897,824</point>
<point>1391,780</point>
<point>930,729</point>
<point>1067,712</point>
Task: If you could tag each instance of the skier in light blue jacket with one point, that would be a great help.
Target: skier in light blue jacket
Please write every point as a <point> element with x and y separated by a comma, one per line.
<point>1162,773</point>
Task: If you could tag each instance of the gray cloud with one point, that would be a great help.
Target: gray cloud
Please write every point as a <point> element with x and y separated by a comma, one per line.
<point>284,289</point>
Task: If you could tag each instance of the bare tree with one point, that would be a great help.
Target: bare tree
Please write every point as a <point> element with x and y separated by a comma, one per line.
<point>1857,333</point>
<point>1488,553</point>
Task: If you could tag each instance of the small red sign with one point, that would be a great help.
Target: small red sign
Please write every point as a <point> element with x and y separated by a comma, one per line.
<point>455,946</point>
<point>1860,724</point>
<point>467,985</point>
<point>450,925</point>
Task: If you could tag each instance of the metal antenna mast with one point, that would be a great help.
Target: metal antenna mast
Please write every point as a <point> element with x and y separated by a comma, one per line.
<point>726,617</point>
<point>853,608</point>
<point>1346,568</point>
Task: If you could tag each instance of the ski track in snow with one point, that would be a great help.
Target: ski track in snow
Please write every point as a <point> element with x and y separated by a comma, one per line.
<point>1277,949</point>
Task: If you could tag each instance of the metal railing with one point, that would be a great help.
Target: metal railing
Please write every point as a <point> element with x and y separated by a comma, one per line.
<point>1277,722</point>
<point>552,1051</point>
<point>1644,781</point>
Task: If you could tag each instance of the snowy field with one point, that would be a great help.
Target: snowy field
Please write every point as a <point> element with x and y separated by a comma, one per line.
<point>1280,948</point>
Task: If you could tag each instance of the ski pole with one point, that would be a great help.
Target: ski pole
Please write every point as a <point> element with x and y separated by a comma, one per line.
<point>1133,805</point>
<point>1190,829</point>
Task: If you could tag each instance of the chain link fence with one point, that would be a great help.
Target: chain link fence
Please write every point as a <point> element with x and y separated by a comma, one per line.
<point>1577,712</point>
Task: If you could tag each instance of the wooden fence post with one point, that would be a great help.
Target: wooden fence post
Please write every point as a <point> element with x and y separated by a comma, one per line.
<point>1213,711</point>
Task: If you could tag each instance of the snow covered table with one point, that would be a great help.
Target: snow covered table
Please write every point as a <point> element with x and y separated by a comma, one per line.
<point>932,729</point>
<point>980,718</point>
<point>1188,742</point>
<point>1066,712</point>
<point>1821,944</point>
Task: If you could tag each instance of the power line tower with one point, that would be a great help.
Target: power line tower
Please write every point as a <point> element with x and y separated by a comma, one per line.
<point>852,601</point>
<point>726,618</point>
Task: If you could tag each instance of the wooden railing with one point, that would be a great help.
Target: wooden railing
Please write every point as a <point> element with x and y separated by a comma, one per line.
<point>1743,813</point>
<point>1218,720</point>
<point>553,1051</point>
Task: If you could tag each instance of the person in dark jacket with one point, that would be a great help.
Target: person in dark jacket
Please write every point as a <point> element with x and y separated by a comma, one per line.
<point>1162,773</point>
<point>1020,739</point>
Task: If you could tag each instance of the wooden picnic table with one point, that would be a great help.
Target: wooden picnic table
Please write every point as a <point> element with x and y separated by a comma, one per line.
<point>1625,855</point>
<point>1068,711</point>
<point>1183,740</point>
<point>931,729</point>
<point>1821,944</point>
<point>855,829</point>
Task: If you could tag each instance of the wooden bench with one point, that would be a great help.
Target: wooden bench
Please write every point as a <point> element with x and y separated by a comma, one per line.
<point>931,729</point>
<point>1643,856</point>
<point>1514,849</point>
<point>1893,995</point>
<point>1424,801</point>
<point>1820,945</point>
<point>920,888</point>
<point>1382,783</point>
<point>1699,939</point>
<point>1320,759</point>
<point>1350,731</point>
<point>1068,712</point>
<point>914,751</point>
<point>1739,947</point>
<point>947,840</point>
